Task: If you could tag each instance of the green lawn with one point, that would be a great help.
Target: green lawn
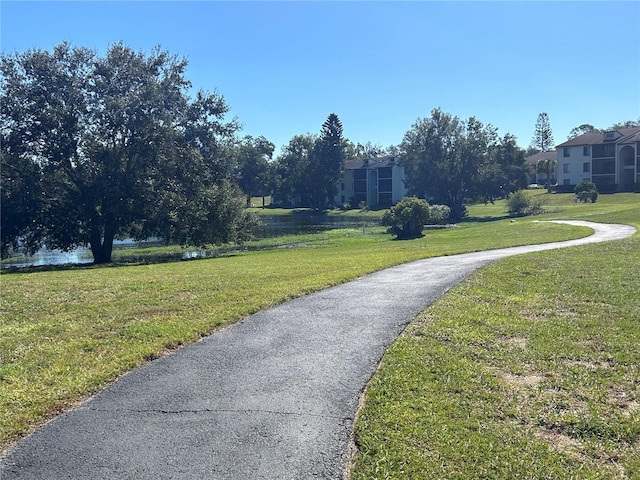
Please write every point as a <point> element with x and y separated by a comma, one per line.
<point>65,334</point>
<point>530,369</point>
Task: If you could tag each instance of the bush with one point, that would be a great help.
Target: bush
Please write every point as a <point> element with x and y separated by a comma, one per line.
<point>518,204</point>
<point>536,207</point>
<point>407,218</point>
<point>586,191</point>
<point>439,214</point>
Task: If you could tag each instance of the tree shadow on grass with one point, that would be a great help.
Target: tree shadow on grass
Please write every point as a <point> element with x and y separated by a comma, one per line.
<point>408,237</point>
<point>485,219</point>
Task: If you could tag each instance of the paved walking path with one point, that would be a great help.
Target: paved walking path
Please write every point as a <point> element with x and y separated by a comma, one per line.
<point>271,397</point>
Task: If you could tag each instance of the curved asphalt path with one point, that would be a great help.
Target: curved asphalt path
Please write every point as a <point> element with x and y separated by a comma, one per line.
<point>271,397</point>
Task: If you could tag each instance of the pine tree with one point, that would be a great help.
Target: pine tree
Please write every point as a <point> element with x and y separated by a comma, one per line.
<point>327,162</point>
<point>542,136</point>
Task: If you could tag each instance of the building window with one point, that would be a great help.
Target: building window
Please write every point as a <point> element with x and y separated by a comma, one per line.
<point>385,172</point>
<point>603,180</point>
<point>566,181</point>
<point>565,151</point>
<point>384,185</point>
<point>586,167</point>
<point>606,150</point>
<point>385,199</point>
<point>565,168</point>
<point>359,186</point>
<point>604,166</point>
<point>586,151</point>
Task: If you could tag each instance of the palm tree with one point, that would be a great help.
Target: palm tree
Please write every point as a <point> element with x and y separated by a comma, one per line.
<point>546,166</point>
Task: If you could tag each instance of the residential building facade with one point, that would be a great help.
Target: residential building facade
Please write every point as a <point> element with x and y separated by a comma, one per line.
<point>609,159</point>
<point>378,182</point>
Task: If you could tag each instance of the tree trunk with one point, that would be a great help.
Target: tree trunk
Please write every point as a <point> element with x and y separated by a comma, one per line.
<point>101,248</point>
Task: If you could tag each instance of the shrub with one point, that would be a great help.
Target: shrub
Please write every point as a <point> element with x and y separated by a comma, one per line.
<point>439,214</point>
<point>518,204</point>
<point>536,207</point>
<point>586,191</point>
<point>407,218</point>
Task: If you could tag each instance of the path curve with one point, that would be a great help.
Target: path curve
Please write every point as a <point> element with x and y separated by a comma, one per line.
<point>271,397</point>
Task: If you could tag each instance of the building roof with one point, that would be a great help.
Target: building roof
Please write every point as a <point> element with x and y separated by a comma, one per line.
<point>371,163</point>
<point>627,135</point>
<point>534,159</point>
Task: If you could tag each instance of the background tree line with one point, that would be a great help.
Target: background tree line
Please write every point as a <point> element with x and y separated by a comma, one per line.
<point>97,148</point>
<point>309,169</point>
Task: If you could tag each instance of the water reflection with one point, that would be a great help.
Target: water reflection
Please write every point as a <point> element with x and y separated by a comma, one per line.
<point>52,257</point>
<point>297,224</point>
<point>272,226</point>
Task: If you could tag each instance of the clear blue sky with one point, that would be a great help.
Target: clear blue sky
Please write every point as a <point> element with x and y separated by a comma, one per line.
<point>284,66</point>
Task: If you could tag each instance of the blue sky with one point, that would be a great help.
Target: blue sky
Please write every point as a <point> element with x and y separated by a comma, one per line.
<point>284,66</point>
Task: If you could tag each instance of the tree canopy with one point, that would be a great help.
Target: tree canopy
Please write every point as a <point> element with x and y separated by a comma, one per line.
<point>588,128</point>
<point>116,148</point>
<point>308,171</point>
<point>625,124</point>
<point>252,156</point>
<point>581,130</point>
<point>290,175</point>
<point>451,162</point>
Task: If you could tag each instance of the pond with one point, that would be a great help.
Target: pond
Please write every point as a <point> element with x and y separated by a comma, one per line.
<point>297,224</point>
<point>272,226</point>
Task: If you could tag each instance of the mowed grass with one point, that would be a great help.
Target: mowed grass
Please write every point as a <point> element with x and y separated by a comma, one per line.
<point>530,369</point>
<point>65,334</point>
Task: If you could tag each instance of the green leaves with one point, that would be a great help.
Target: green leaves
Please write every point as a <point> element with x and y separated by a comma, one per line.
<point>309,169</point>
<point>114,137</point>
<point>453,162</point>
<point>407,218</point>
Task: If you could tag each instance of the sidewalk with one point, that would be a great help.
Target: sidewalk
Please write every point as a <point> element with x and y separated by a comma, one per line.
<point>271,397</point>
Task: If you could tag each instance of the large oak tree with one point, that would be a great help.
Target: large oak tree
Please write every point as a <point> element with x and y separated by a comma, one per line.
<point>121,149</point>
<point>451,162</point>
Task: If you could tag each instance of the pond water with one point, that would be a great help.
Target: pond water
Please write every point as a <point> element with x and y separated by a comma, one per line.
<point>272,226</point>
<point>295,224</point>
<point>77,256</point>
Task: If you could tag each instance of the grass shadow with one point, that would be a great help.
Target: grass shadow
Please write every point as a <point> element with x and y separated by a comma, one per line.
<point>485,219</point>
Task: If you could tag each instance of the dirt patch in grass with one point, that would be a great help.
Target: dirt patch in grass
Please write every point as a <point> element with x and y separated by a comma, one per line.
<point>590,364</point>
<point>521,381</point>
<point>619,397</point>
<point>535,316</point>
<point>559,441</point>
<point>514,342</point>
